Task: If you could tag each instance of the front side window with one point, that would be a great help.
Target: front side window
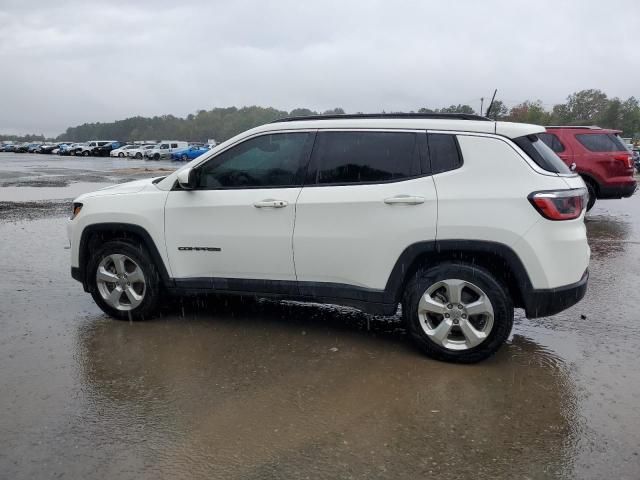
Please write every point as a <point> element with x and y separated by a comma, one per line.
<point>164,146</point>
<point>267,161</point>
<point>364,157</point>
<point>602,142</point>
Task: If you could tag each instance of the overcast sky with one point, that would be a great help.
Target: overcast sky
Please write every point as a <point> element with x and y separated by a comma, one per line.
<point>63,63</point>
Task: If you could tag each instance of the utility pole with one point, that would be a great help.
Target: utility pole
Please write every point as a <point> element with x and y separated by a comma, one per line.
<point>481,103</point>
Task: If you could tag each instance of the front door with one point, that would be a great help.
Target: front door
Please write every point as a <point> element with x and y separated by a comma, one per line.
<point>238,222</point>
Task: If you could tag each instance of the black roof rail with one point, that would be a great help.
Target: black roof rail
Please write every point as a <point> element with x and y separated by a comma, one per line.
<point>441,116</point>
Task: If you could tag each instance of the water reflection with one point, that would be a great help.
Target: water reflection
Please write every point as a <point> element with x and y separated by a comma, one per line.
<point>263,389</point>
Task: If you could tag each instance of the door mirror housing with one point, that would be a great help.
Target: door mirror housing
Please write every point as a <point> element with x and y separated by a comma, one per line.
<point>187,179</point>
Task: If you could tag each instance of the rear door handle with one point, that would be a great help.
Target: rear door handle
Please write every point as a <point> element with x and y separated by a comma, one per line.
<point>271,204</point>
<point>404,200</point>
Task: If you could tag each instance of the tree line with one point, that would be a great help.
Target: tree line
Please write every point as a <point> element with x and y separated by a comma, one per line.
<point>586,107</point>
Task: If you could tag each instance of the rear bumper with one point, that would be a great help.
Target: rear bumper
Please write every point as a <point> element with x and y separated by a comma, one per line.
<point>621,190</point>
<point>547,302</point>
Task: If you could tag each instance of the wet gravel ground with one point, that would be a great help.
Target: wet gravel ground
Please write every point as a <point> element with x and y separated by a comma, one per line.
<point>246,388</point>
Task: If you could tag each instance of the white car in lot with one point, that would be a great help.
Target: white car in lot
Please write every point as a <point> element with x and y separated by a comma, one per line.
<point>122,151</point>
<point>140,150</point>
<point>164,149</point>
<point>456,217</point>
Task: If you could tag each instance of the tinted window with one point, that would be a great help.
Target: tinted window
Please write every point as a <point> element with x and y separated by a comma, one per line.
<point>267,161</point>
<point>174,145</point>
<point>552,141</point>
<point>602,142</point>
<point>444,153</point>
<point>540,153</point>
<point>364,157</point>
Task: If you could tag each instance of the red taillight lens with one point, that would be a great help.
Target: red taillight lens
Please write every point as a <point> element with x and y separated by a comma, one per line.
<point>627,159</point>
<point>560,204</point>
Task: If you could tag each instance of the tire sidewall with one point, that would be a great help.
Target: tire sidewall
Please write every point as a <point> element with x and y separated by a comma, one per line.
<point>500,301</point>
<point>139,255</point>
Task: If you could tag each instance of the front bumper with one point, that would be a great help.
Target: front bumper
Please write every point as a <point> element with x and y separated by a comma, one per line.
<point>547,302</point>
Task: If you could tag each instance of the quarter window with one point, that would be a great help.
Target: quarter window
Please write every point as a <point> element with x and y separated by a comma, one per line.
<point>364,157</point>
<point>266,161</point>
<point>444,152</point>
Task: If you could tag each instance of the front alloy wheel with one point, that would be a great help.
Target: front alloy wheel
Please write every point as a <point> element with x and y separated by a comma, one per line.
<point>124,282</point>
<point>120,281</point>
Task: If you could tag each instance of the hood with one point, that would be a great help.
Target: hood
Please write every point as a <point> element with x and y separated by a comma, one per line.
<point>120,189</point>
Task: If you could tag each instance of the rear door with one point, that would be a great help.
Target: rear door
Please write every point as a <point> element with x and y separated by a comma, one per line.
<point>368,196</point>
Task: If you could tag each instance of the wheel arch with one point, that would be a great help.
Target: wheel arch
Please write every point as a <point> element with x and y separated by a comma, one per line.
<point>499,259</point>
<point>96,234</point>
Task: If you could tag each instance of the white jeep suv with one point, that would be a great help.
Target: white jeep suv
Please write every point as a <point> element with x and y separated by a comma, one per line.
<point>458,218</point>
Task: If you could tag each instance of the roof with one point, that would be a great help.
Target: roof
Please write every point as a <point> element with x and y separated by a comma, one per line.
<point>450,122</point>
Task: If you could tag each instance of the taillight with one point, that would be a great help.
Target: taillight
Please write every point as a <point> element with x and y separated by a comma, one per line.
<point>626,158</point>
<point>560,204</point>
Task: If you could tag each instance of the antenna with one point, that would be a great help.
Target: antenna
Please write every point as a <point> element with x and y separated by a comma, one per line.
<point>491,104</point>
<point>481,102</point>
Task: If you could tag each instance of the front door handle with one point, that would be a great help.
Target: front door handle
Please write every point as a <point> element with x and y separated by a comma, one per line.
<point>404,200</point>
<point>271,204</point>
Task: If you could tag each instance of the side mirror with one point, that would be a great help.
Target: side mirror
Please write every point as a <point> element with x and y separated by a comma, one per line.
<point>187,178</point>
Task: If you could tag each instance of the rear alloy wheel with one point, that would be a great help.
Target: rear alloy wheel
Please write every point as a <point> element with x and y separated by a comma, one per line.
<point>124,282</point>
<point>85,153</point>
<point>457,312</point>
<point>138,155</point>
<point>121,155</point>
<point>184,158</point>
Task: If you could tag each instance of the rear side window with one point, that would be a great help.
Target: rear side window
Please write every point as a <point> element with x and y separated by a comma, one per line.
<point>540,153</point>
<point>552,141</point>
<point>364,157</point>
<point>601,142</point>
<point>444,152</point>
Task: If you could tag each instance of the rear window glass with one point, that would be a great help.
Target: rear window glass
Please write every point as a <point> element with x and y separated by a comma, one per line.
<point>365,157</point>
<point>552,141</point>
<point>540,153</point>
<point>602,142</point>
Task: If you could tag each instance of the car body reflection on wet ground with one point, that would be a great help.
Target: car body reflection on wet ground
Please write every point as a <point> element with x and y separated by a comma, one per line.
<point>222,387</point>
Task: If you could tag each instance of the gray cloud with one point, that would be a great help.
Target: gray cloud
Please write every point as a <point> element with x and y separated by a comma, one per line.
<point>70,62</point>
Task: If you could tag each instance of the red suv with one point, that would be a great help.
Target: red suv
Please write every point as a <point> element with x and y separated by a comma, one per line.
<point>600,157</point>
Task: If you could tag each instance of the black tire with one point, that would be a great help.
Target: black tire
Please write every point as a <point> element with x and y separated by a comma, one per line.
<point>497,294</point>
<point>156,156</point>
<point>121,155</point>
<point>85,153</point>
<point>592,195</point>
<point>139,255</point>
<point>184,158</point>
<point>138,155</point>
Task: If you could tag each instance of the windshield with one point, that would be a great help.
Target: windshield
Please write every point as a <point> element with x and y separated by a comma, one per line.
<point>540,153</point>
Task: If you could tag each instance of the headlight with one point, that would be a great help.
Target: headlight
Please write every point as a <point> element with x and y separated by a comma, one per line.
<point>76,210</point>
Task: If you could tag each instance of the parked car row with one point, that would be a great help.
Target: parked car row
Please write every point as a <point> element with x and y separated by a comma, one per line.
<point>166,149</point>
